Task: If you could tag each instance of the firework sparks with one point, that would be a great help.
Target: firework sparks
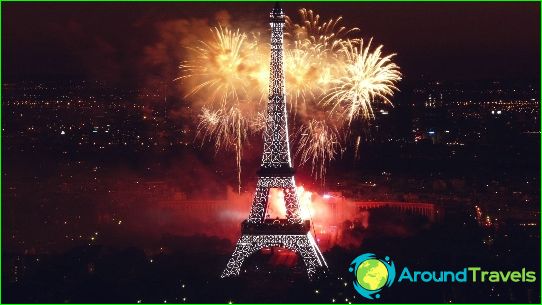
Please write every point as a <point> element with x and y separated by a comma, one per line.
<point>311,56</point>
<point>318,143</point>
<point>224,70</point>
<point>311,31</point>
<point>356,147</point>
<point>222,67</point>
<point>326,72</point>
<point>227,128</point>
<point>367,77</point>
<point>223,126</point>
<point>303,76</point>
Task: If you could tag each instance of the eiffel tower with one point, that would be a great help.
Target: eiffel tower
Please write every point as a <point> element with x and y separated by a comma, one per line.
<point>276,171</point>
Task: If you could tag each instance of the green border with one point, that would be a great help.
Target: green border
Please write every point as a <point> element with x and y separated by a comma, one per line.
<point>387,1</point>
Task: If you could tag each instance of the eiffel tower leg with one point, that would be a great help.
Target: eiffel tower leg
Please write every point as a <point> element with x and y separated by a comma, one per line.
<point>259,203</point>
<point>292,205</point>
<point>304,245</point>
<point>243,249</point>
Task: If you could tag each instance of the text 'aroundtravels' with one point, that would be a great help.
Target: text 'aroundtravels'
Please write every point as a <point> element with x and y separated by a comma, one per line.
<point>469,274</point>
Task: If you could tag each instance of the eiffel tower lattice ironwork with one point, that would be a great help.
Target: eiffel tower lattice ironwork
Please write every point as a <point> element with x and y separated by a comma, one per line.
<point>276,171</point>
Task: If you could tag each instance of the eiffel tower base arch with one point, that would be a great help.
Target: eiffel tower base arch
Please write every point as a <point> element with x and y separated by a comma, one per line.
<point>303,244</point>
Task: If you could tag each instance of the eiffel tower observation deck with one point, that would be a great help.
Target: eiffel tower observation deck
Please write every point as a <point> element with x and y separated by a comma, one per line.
<point>276,171</point>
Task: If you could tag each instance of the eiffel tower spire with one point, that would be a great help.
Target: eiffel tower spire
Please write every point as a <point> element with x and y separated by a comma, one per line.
<point>276,168</point>
<point>276,150</point>
<point>276,171</point>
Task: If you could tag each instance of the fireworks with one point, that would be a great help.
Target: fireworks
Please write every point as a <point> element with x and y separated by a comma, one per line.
<point>228,128</point>
<point>311,32</point>
<point>318,143</point>
<point>302,77</point>
<point>225,126</point>
<point>223,71</point>
<point>332,79</point>
<point>311,56</point>
<point>367,76</point>
<point>222,67</point>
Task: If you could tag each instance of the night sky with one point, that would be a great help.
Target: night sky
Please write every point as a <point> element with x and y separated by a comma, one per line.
<point>109,41</point>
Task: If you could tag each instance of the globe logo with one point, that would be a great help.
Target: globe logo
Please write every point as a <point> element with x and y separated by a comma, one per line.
<point>372,274</point>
